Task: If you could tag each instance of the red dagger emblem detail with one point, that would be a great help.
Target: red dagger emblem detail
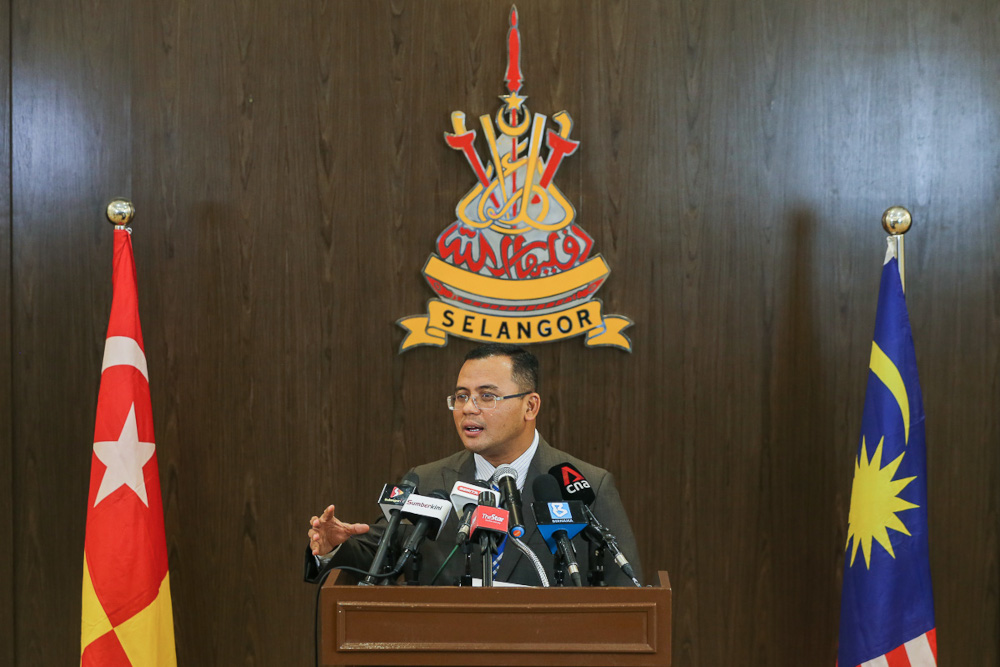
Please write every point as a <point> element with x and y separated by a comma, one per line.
<point>513,77</point>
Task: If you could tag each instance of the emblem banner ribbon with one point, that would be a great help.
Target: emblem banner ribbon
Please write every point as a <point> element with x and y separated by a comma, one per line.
<point>443,319</point>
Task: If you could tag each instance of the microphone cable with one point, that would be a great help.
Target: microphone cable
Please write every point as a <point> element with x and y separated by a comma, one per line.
<point>441,569</point>
<point>534,560</point>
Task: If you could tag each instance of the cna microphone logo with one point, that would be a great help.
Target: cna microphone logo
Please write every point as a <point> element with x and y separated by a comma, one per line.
<point>573,481</point>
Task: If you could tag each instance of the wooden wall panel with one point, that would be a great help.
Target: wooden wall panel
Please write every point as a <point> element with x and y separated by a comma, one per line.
<point>6,331</point>
<point>70,132</point>
<point>290,175</point>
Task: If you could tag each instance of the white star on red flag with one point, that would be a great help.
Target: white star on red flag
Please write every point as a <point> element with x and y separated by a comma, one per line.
<point>124,459</point>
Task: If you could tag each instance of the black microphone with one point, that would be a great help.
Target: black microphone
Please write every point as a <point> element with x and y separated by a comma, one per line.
<point>486,542</point>
<point>427,513</point>
<point>506,478</point>
<point>551,514</point>
<point>391,502</point>
<point>574,486</point>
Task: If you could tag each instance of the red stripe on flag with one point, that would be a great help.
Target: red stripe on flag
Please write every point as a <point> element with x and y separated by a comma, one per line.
<point>124,318</point>
<point>105,651</point>
<point>897,657</point>
<point>932,640</point>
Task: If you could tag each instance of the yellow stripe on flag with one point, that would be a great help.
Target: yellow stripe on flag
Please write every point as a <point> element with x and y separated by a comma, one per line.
<point>94,622</point>
<point>148,637</point>
<point>887,372</point>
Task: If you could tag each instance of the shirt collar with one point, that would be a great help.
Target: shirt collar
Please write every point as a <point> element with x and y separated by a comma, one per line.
<point>485,469</point>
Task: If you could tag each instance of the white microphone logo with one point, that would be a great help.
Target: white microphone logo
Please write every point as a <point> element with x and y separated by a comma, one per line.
<point>559,510</point>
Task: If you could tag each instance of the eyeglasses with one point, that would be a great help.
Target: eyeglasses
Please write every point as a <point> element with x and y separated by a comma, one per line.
<point>485,401</point>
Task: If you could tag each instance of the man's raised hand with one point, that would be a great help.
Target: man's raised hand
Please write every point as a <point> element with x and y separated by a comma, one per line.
<point>327,532</point>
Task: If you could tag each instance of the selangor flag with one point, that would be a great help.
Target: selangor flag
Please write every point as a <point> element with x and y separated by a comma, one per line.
<point>887,610</point>
<point>127,616</point>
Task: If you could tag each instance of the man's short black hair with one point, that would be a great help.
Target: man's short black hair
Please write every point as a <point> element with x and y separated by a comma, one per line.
<point>524,365</point>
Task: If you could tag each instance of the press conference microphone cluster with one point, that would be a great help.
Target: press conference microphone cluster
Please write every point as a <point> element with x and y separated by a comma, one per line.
<point>574,486</point>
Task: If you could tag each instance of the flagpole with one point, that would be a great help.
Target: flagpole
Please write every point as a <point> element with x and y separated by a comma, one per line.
<point>120,213</point>
<point>896,221</point>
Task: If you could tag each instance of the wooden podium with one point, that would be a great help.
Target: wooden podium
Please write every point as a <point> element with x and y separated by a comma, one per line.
<point>447,625</point>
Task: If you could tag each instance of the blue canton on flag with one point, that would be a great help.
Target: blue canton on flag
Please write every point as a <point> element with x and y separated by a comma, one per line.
<point>887,610</point>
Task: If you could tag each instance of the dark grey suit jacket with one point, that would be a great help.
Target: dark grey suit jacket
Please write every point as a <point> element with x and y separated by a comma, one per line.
<point>515,567</point>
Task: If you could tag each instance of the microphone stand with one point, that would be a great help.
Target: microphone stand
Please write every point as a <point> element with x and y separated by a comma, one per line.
<point>414,578</point>
<point>486,547</point>
<point>559,571</point>
<point>385,552</point>
<point>466,579</point>
<point>595,561</point>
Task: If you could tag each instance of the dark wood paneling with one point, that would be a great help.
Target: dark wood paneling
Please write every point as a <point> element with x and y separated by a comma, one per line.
<point>288,167</point>
<point>6,380</point>
<point>70,135</point>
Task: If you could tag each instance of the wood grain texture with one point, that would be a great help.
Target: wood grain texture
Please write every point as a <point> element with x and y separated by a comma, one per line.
<point>287,163</point>
<point>70,128</point>
<point>6,379</point>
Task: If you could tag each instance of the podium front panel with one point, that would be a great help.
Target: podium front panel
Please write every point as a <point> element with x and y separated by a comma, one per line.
<point>429,625</point>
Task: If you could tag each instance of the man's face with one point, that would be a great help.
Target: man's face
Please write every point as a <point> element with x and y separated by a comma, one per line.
<point>502,434</point>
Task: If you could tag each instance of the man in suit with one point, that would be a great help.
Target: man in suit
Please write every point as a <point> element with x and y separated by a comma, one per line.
<point>494,404</point>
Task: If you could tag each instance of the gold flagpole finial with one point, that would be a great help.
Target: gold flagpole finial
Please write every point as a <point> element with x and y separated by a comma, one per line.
<point>896,221</point>
<point>120,213</point>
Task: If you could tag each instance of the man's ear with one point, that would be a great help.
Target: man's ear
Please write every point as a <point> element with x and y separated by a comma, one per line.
<point>534,404</point>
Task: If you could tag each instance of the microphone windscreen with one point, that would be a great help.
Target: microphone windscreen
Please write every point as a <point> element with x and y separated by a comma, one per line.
<point>505,470</point>
<point>411,479</point>
<point>572,484</point>
<point>546,489</point>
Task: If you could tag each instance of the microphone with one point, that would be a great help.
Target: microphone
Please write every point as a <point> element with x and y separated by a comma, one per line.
<point>506,478</point>
<point>559,521</point>
<point>428,514</point>
<point>465,498</point>
<point>486,519</point>
<point>574,486</point>
<point>391,501</point>
<point>609,540</point>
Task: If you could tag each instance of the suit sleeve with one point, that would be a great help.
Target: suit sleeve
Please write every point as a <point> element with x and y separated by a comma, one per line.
<point>608,509</point>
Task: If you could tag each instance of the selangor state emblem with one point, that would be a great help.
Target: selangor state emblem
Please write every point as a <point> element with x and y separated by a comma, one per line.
<point>514,267</point>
